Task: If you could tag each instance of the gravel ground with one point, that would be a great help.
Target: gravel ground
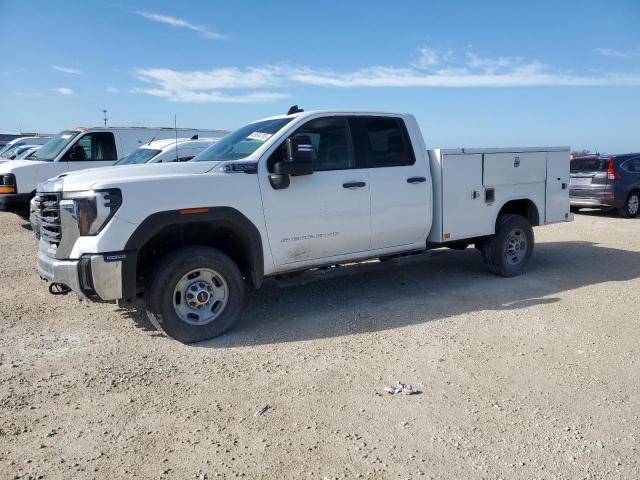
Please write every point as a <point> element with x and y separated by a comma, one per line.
<point>532,377</point>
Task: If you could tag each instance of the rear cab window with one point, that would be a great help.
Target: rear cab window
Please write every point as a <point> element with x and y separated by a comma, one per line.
<point>382,142</point>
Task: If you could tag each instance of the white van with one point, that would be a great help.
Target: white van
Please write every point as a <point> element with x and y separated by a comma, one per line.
<point>9,148</point>
<point>167,150</point>
<point>76,149</point>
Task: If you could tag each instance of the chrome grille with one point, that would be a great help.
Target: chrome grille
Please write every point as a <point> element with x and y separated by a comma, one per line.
<point>47,217</point>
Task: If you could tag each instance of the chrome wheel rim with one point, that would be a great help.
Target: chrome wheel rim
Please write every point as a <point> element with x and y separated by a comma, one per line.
<point>200,296</point>
<point>633,204</point>
<point>516,246</point>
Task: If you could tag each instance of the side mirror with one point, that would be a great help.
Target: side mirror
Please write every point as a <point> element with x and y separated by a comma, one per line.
<point>298,161</point>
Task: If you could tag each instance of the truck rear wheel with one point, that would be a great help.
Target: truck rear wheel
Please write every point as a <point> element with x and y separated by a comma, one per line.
<point>508,251</point>
<point>195,294</point>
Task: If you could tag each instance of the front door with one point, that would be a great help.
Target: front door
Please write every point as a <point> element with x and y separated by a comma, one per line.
<point>324,214</point>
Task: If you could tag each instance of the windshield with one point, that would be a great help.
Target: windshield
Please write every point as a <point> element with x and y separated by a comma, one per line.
<point>141,155</point>
<point>588,165</point>
<point>243,142</point>
<point>53,147</point>
<point>8,151</point>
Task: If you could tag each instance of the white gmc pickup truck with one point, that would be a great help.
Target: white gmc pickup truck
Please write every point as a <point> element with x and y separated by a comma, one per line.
<point>283,195</point>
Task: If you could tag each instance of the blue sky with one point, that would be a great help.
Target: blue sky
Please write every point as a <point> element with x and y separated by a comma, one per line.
<point>475,73</point>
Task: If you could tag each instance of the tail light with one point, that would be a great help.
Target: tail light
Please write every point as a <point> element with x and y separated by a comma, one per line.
<point>612,173</point>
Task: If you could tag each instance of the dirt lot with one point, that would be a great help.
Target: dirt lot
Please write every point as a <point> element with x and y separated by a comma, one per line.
<point>533,377</point>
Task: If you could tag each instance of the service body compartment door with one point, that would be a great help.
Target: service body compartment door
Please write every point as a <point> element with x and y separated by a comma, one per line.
<point>557,189</point>
<point>514,168</point>
<point>464,213</point>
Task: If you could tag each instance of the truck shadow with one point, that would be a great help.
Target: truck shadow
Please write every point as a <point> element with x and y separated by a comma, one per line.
<point>432,286</point>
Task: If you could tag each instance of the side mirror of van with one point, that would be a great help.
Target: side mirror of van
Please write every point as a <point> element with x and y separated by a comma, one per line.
<point>299,156</point>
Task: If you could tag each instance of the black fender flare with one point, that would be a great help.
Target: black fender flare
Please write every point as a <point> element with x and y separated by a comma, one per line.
<point>221,216</point>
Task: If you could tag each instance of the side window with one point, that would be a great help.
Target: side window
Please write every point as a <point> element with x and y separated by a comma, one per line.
<point>99,146</point>
<point>633,165</point>
<point>382,141</point>
<point>331,140</point>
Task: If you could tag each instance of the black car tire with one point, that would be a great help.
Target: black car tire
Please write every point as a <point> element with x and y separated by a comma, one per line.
<point>508,251</point>
<point>631,206</point>
<point>160,294</point>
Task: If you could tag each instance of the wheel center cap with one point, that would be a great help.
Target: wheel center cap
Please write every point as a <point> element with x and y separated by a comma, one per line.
<point>203,297</point>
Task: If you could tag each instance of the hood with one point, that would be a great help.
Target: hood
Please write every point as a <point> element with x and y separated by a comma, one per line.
<point>112,176</point>
<point>8,166</point>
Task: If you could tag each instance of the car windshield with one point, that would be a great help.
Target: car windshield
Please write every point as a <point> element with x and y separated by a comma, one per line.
<point>141,155</point>
<point>242,142</point>
<point>8,151</point>
<point>53,147</point>
<point>584,165</point>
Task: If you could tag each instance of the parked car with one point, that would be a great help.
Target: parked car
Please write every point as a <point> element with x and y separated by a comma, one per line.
<point>167,150</point>
<point>26,154</point>
<point>158,151</point>
<point>8,149</point>
<point>75,149</point>
<point>18,152</point>
<point>282,195</point>
<point>606,182</point>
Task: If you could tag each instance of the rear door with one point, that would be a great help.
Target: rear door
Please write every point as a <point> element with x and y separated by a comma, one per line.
<point>588,177</point>
<point>400,186</point>
<point>91,150</point>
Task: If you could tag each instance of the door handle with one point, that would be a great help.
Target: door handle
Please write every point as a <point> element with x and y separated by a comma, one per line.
<point>416,179</point>
<point>354,185</point>
<point>564,186</point>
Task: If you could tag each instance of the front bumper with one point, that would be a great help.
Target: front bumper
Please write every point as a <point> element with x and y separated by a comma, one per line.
<point>15,202</point>
<point>96,277</point>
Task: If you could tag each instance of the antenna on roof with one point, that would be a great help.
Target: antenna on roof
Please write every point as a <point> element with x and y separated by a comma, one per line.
<point>294,109</point>
<point>104,115</point>
<point>175,127</point>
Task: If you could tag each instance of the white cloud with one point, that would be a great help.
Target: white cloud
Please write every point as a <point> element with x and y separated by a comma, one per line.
<point>112,90</point>
<point>430,57</point>
<point>72,71</point>
<point>610,52</point>
<point>63,90</point>
<point>181,23</point>
<point>434,69</point>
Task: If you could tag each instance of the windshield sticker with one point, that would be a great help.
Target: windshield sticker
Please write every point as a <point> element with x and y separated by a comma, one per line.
<point>260,136</point>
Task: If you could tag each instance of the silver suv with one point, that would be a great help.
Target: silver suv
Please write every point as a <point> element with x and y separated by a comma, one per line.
<point>612,182</point>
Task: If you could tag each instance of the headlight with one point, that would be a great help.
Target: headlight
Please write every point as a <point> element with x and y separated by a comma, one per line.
<point>8,183</point>
<point>92,209</point>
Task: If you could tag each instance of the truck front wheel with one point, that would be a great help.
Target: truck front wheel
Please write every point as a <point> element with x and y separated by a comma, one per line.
<point>508,251</point>
<point>195,294</point>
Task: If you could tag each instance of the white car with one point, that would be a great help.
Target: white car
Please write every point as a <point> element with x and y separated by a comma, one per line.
<point>8,150</point>
<point>76,149</point>
<point>26,154</point>
<point>282,195</point>
<point>167,150</point>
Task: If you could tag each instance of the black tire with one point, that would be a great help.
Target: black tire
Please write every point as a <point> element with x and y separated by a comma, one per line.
<point>511,230</point>
<point>160,298</point>
<point>630,208</point>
